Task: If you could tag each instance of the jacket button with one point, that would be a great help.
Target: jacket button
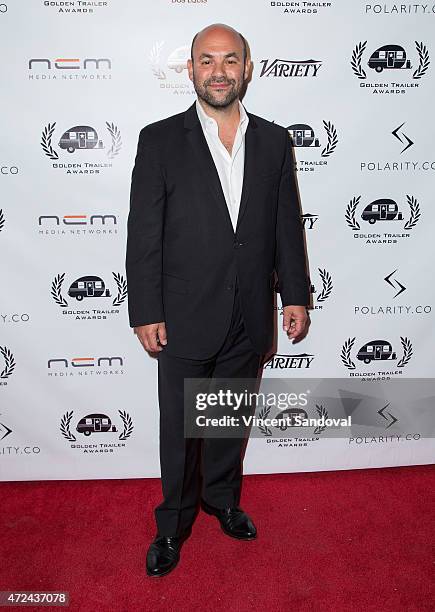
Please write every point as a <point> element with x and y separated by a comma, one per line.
<point>229,287</point>
<point>237,245</point>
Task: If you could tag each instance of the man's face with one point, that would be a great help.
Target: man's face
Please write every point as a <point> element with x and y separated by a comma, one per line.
<point>218,70</point>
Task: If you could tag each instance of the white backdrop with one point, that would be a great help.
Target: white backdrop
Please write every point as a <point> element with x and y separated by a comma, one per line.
<point>100,71</point>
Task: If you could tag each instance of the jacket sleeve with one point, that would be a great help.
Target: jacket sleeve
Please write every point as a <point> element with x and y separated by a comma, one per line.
<point>290,260</point>
<point>145,236</point>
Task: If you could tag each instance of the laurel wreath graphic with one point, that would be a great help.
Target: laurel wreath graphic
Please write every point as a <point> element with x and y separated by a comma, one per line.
<point>322,412</point>
<point>345,354</point>
<point>9,362</point>
<point>415,212</point>
<point>56,287</point>
<point>350,213</point>
<point>154,58</point>
<point>332,139</point>
<point>263,414</point>
<point>423,55</point>
<point>47,133</point>
<point>356,60</point>
<point>122,289</point>
<point>407,352</point>
<point>327,285</point>
<point>2,220</point>
<point>116,140</point>
<point>64,426</point>
<point>128,425</point>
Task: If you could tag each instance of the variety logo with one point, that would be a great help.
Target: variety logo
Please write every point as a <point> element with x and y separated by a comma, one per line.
<point>85,366</point>
<point>84,7</point>
<point>9,365</point>
<point>289,68</point>
<point>107,436</point>
<point>308,220</point>
<point>82,140</point>
<point>392,59</point>
<point>382,211</point>
<point>78,225</point>
<point>171,71</point>
<point>301,8</point>
<point>70,69</point>
<point>375,353</point>
<point>305,139</point>
<point>299,361</point>
<point>406,142</point>
<point>90,288</point>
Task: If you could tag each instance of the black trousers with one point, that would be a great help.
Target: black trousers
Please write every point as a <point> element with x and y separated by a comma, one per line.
<point>191,468</point>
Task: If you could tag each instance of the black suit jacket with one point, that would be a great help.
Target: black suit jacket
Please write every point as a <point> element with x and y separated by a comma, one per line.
<point>182,252</point>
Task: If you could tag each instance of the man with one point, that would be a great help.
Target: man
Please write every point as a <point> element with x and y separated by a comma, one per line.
<point>213,214</point>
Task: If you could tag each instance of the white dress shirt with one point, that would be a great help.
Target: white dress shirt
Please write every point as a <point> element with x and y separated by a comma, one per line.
<point>229,167</point>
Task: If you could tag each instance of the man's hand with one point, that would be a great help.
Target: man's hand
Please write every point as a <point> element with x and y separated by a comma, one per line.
<point>152,336</point>
<point>295,321</point>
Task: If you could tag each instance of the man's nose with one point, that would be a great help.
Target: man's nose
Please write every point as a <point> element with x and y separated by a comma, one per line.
<point>218,69</point>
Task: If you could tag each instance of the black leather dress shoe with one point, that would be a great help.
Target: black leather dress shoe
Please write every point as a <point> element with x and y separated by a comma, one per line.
<point>164,554</point>
<point>234,521</point>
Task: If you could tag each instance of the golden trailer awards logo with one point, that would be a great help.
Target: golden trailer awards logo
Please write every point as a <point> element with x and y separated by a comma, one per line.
<point>306,140</point>
<point>326,290</point>
<point>376,353</point>
<point>99,429</point>
<point>383,212</point>
<point>289,418</point>
<point>303,7</point>
<point>172,71</point>
<point>89,289</point>
<point>393,60</point>
<point>80,141</point>
<point>9,365</point>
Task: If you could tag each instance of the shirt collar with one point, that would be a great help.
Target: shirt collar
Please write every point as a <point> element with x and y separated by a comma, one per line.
<point>210,125</point>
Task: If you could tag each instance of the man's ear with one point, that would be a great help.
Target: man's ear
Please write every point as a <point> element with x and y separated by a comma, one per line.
<point>190,69</point>
<point>247,69</point>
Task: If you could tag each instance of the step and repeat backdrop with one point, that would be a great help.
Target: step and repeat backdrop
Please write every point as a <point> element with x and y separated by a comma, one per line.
<point>354,84</point>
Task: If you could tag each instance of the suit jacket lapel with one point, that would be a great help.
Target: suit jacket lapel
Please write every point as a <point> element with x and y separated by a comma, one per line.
<point>249,166</point>
<point>207,168</point>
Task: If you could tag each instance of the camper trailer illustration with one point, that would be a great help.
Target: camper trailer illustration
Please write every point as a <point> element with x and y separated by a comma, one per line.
<point>88,286</point>
<point>302,135</point>
<point>376,350</point>
<point>290,414</point>
<point>95,423</point>
<point>80,137</point>
<point>381,210</point>
<point>389,57</point>
<point>178,59</point>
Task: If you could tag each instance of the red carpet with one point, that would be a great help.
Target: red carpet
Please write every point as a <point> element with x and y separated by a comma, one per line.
<point>356,540</point>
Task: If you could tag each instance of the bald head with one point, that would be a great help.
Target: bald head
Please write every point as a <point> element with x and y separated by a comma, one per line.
<point>222,33</point>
